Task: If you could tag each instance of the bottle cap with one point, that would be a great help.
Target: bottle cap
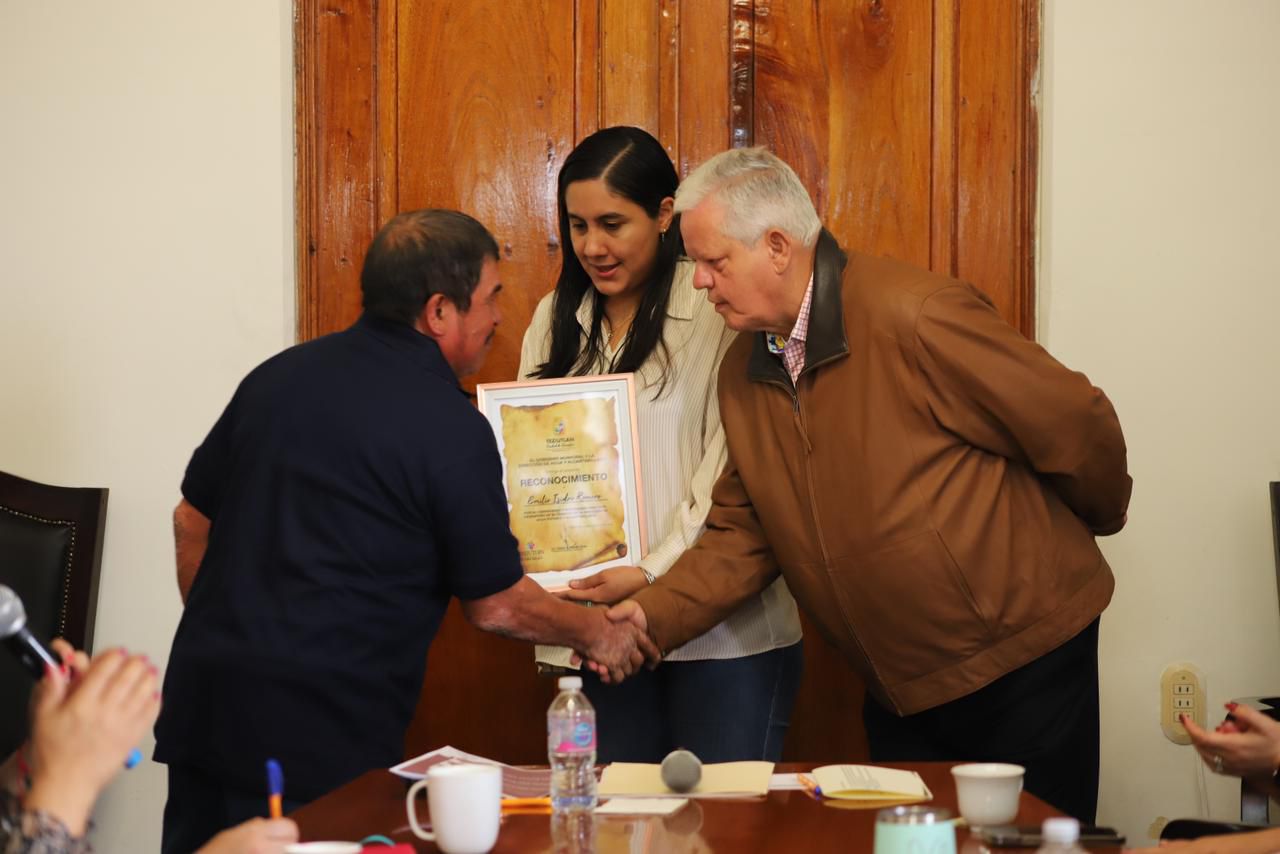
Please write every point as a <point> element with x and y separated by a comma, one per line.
<point>1062,831</point>
<point>570,683</point>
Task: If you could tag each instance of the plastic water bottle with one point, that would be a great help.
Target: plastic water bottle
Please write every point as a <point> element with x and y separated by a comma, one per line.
<point>1060,836</point>
<point>571,748</point>
<point>573,833</point>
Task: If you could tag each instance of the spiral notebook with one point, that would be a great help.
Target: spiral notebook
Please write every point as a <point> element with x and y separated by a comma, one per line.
<point>870,784</point>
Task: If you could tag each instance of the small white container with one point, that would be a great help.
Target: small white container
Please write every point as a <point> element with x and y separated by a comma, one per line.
<point>988,792</point>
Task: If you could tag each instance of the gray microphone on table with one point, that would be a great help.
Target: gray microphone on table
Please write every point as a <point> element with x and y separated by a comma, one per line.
<point>681,770</point>
<point>13,631</point>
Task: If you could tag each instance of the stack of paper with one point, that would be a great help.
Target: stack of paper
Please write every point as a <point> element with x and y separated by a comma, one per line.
<point>719,780</point>
<point>641,806</point>
<point>870,785</point>
<point>516,782</point>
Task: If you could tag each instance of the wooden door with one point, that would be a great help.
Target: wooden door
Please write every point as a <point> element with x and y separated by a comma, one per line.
<point>911,122</point>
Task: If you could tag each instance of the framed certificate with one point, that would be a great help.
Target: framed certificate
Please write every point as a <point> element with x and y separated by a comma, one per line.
<point>571,469</point>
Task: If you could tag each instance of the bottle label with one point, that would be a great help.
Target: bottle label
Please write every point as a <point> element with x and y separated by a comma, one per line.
<point>579,739</point>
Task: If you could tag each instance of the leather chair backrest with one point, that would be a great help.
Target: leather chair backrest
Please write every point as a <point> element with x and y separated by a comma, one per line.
<point>50,552</point>
<point>35,553</point>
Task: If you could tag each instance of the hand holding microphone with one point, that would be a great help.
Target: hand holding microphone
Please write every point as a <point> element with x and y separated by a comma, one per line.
<point>68,664</point>
<point>81,733</point>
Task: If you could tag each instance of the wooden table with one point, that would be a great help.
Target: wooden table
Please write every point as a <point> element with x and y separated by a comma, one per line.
<point>782,822</point>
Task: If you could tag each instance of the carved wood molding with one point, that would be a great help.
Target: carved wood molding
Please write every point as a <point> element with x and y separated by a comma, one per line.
<point>1027,214</point>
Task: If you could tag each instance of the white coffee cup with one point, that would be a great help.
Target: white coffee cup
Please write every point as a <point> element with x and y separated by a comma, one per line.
<point>465,801</point>
<point>987,792</point>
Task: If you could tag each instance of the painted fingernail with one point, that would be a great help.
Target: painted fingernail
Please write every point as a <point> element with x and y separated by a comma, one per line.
<point>1231,707</point>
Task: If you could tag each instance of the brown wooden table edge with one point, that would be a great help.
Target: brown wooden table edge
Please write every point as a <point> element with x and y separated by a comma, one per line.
<point>374,802</point>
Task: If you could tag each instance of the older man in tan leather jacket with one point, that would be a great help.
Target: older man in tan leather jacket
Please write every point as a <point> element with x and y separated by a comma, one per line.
<point>928,481</point>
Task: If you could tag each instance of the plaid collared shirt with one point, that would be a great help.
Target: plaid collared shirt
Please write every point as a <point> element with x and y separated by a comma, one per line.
<point>792,349</point>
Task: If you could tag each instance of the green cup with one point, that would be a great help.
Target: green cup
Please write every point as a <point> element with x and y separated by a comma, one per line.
<point>915,830</point>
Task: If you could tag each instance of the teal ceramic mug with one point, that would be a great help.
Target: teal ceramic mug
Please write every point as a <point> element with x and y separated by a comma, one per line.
<point>915,830</point>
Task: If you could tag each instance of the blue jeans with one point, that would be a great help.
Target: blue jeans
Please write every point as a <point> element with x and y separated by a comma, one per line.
<point>721,709</point>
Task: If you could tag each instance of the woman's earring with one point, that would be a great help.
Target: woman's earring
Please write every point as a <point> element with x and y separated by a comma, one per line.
<point>662,236</point>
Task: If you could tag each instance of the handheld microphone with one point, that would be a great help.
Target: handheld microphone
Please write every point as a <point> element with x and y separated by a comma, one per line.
<point>13,630</point>
<point>681,770</point>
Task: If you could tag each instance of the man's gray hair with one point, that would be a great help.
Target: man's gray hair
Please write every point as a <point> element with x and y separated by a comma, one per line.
<point>758,192</point>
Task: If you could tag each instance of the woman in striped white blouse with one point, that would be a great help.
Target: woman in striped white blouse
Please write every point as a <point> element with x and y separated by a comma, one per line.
<point>625,302</point>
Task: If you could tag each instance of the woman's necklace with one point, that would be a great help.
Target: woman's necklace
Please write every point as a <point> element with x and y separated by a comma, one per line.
<point>618,331</point>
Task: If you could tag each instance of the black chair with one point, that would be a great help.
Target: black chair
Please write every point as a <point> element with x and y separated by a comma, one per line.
<point>50,554</point>
<point>1275,524</point>
<point>1194,828</point>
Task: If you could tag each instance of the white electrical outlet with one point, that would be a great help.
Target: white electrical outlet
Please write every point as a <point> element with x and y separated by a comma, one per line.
<point>1181,693</point>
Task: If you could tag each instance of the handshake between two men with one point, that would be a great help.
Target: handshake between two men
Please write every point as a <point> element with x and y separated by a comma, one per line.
<point>622,646</point>
<point>614,643</point>
<point>626,618</point>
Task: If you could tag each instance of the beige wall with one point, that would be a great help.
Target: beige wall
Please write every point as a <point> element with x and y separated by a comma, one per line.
<point>146,216</point>
<point>1160,222</point>
<point>146,234</point>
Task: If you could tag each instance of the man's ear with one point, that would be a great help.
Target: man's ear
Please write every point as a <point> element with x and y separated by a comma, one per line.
<point>780,247</point>
<point>436,316</point>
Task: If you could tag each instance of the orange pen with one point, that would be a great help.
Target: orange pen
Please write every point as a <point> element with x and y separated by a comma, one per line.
<point>526,806</point>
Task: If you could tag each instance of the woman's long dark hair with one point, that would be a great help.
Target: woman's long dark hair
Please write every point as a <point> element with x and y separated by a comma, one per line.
<point>633,165</point>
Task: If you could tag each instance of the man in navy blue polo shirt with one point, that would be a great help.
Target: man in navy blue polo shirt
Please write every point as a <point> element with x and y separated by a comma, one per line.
<point>347,492</point>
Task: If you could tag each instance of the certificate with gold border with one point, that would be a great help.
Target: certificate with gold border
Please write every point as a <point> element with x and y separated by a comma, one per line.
<point>571,470</point>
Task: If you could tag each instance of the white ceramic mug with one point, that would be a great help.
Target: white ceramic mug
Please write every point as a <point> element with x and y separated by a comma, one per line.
<point>465,801</point>
<point>987,792</point>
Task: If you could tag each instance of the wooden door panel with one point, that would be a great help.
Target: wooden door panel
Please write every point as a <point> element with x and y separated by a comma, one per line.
<point>336,131</point>
<point>995,143</point>
<point>843,96</point>
<point>632,62</point>
<point>911,122</point>
<point>702,123</point>
<point>485,117</point>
